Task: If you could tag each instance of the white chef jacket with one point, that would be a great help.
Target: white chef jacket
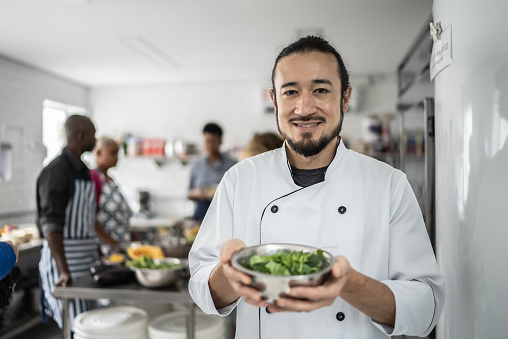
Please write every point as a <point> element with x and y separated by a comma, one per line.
<point>364,210</point>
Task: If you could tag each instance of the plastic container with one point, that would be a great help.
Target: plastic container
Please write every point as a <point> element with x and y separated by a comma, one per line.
<point>173,326</point>
<point>124,322</point>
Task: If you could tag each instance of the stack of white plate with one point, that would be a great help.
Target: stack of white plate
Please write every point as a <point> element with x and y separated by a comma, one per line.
<point>153,310</point>
<point>173,326</point>
<point>124,322</point>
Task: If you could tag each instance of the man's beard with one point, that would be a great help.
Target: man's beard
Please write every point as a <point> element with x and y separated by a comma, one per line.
<point>308,147</point>
<point>89,147</point>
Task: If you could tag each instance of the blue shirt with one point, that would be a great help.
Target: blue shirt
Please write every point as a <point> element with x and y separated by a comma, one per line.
<point>8,257</point>
<point>207,174</point>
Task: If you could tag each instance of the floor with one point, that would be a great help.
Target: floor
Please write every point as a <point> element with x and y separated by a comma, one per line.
<point>40,331</point>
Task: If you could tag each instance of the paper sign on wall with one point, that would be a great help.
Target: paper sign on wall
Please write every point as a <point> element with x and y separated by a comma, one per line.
<point>441,52</point>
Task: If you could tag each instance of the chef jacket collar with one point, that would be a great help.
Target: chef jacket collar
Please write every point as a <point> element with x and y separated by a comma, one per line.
<point>340,154</point>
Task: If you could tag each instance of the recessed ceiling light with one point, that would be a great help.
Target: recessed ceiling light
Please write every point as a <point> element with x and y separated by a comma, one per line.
<point>146,49</point>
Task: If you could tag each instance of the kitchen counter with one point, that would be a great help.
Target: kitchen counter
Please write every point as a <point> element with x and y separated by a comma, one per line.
<point>86,288</point>
<point>32,244</point>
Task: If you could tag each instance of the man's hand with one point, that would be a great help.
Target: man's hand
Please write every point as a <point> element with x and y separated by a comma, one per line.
<point>56,246</point>
<point>14,248</point>
<point>307,299</point>
<point>64,280</point>
<point>238,280</point>
<point>228,284</point>
<point>368,295</point>
<point>105,236</point>
<point>197,194</point>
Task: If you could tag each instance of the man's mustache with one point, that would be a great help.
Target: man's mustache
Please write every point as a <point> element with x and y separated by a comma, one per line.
<point>307,118</point>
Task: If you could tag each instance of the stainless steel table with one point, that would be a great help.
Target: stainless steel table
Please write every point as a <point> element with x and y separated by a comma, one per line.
<point>86,288</point>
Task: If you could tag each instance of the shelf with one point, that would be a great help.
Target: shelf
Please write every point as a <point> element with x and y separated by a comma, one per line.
<point>162,159</point>
<point>416,91</point>
<point>417,59</point>
<point>144,223</point>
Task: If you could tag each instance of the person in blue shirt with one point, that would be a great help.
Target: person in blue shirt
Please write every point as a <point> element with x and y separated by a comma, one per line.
<point>9,254</point>
<point>207,172</point>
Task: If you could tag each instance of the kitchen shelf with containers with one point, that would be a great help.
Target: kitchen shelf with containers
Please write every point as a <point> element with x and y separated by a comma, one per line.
<point>159,149</point>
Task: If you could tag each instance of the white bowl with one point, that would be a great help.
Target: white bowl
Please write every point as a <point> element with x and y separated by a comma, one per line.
<point>160,276</point>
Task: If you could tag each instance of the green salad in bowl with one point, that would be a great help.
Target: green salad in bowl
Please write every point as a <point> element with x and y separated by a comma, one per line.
<point>285,262</point>
<point>156,272</point>
<point>275,268</point>
<point>146,261</point>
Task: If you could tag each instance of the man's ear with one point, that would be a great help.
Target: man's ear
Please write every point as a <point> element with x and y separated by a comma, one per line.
<point>346,97</point>
<point>274,99</point>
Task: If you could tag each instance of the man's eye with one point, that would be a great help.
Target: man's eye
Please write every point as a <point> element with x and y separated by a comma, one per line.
<point>290,92</point>
<point>322,90</point>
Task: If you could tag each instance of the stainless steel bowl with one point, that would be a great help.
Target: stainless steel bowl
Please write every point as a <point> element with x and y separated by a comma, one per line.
<point>161,276</point>
<point>272,286</point>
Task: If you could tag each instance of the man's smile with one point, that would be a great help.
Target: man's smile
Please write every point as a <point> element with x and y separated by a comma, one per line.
<point>306,124</point>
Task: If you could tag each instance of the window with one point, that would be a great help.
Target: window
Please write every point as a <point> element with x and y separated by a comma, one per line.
<point>54,115</point>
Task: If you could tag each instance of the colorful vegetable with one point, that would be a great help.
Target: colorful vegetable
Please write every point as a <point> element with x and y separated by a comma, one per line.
<point>155,252</point>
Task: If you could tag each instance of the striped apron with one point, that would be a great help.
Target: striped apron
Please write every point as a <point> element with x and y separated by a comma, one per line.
<point>80,246</point>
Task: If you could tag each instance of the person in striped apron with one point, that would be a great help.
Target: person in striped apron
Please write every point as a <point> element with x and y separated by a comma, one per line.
<point>66,217</point>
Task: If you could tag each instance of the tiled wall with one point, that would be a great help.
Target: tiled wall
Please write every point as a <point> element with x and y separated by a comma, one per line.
<point>22,92</point>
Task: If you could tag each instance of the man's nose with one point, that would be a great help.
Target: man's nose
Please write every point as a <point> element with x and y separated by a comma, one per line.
<point>305,104</point>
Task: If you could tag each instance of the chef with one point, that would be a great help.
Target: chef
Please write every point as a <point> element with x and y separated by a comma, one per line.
<point>314,191</point>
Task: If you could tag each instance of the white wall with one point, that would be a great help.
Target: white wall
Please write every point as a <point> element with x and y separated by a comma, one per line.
<point>181,110</point>
<point>22,92</point>
<point>472,169</point>
<point>377,96</point>
<point>176,112</point>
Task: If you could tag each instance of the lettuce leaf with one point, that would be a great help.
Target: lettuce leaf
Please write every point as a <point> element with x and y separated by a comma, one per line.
<point>287,262</point>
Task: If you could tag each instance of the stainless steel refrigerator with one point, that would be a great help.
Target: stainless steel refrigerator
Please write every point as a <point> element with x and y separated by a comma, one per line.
<point>415,109</point>
<point>416,119</point>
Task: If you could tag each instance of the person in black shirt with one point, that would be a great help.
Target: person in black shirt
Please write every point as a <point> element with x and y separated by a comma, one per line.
<point>66,214</point>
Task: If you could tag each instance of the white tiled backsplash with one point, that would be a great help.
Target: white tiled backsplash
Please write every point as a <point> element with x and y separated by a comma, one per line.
<point>166,182</point>
<point>22,92</point>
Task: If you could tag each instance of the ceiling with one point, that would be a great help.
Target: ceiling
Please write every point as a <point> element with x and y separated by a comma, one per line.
<point>199,40</point>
